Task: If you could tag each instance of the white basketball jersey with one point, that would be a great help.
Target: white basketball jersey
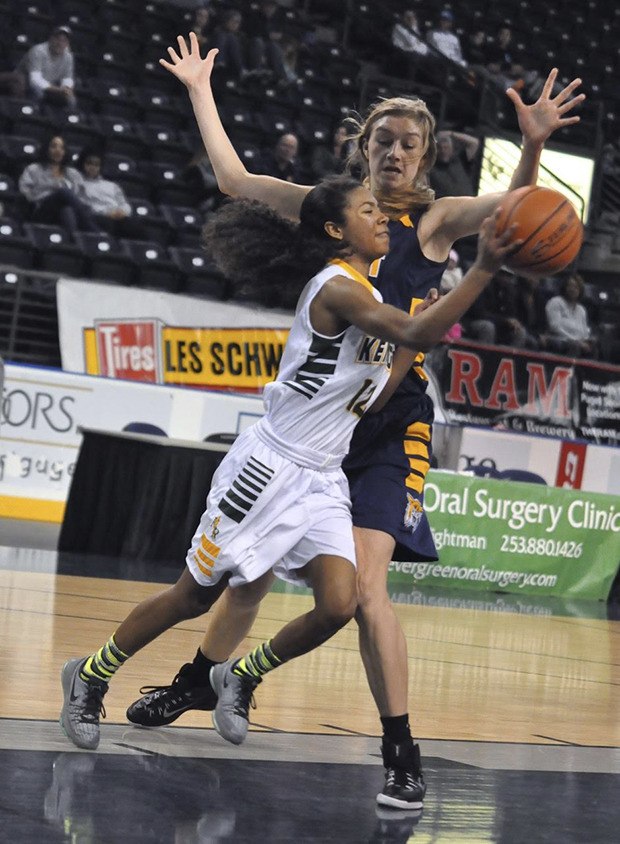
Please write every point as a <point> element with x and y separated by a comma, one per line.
<point>324,384</point>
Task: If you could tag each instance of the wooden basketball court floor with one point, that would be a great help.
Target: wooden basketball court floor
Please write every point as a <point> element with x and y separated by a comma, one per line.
<point>515,703</point>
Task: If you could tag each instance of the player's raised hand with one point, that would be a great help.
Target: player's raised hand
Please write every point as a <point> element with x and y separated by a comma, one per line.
<point>540,119</point>
<point>187,64</point>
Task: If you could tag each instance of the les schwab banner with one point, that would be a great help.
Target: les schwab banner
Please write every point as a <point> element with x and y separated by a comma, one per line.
<point>158,338</point>
<point>147,350</point>
<point>500,536</point>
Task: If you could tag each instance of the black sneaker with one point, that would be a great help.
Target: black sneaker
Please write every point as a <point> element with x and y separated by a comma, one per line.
<point>404,784</point>
<point>162,705</point>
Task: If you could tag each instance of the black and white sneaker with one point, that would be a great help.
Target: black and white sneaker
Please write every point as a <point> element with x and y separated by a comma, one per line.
<point>404,783</point>
<point>161,705</point>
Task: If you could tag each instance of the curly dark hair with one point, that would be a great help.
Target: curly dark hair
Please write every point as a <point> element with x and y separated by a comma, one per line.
<point>271,258</point>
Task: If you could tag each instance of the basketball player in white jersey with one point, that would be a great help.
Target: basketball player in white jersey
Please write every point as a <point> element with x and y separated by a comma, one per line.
<point>279,499</point>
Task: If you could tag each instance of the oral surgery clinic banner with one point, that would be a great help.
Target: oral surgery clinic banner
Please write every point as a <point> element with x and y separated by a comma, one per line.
<point>523,538</point>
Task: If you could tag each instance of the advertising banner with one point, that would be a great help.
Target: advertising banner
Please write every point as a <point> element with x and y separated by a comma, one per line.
<point>505,455</point>
<point>522,538</point>
<point>158,338</point>
<point>42,411</point>
<point>527,392</point>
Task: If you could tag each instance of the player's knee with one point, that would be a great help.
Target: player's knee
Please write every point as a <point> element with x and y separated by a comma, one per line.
<point>191,599</point>
<point>196,604</point>
<point>338,611</point>
<point>371,590</point>
<point>248,595</point>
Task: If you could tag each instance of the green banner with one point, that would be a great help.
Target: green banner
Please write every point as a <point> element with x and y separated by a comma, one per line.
<point>502,536</point>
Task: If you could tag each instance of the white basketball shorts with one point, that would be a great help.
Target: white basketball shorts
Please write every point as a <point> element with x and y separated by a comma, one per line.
<point>264,511</point>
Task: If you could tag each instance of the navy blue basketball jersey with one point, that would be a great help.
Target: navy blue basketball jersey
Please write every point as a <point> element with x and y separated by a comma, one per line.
<point>403,278</point>
<point>390,451</point>
<point>406,274</point>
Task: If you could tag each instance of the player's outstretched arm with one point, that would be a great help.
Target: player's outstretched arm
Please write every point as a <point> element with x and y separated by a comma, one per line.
<point>233,178</point>
<point>458,217</point>
<point>348,301</point>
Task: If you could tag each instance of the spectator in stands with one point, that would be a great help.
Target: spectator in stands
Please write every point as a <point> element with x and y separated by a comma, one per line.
<point>202,182</point>
<point>291,48</point>
<point>268,45</point>
<point>203,25</point>
<point>452,172</point>
<point>408,41</point>
<point>492,319</point>
<point>56,191</point>
<point>106,199</point>
<point>11,82</point>
<point>282,161</point>
<point>451,278</point>
<point>48,69</point>
<point>500,56</point>
<point>228,39</point>
<point>510,67</point>
<point>452,275</point>
<point>530,311</point>
<point>476,49</point>
<point>328,160</point>
<point>568,327</point>
<point>445,41</point>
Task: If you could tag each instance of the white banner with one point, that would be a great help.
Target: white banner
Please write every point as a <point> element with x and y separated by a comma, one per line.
<point>42,410</point>
<point>570,464</point>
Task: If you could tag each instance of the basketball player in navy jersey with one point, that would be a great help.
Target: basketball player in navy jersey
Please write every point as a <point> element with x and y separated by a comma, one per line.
<point>389,457</point>
<point>279,500</point>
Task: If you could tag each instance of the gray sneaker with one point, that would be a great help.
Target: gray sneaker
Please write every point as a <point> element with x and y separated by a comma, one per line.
<point>82,706</point>
<point>234,698</point>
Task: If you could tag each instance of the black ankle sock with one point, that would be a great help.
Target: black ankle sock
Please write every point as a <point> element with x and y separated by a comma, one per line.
<point>396,729</point>
<point>201,666</point>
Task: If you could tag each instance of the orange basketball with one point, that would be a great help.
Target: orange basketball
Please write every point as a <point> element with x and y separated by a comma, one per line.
<point>549,226</point>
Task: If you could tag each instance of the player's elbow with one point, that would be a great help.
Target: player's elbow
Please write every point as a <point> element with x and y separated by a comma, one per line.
<point>234,183</point>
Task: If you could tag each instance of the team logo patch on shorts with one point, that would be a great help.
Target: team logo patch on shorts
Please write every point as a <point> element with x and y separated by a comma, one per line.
<point>214,527</point>
<point>413,513</point>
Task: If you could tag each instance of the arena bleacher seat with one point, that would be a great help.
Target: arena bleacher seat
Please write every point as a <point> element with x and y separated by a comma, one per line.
<point>53,249</point>
<point>186,223</point>
<point>152,266</point>
<point>13,203</point>
<point>15,248</point>
<point>168,187</point>
<point>201,276</point>
<point>103,258</point>
<point>16,152</point>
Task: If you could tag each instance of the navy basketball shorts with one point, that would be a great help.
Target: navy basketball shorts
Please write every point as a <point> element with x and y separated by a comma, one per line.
<point>386,481</point>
